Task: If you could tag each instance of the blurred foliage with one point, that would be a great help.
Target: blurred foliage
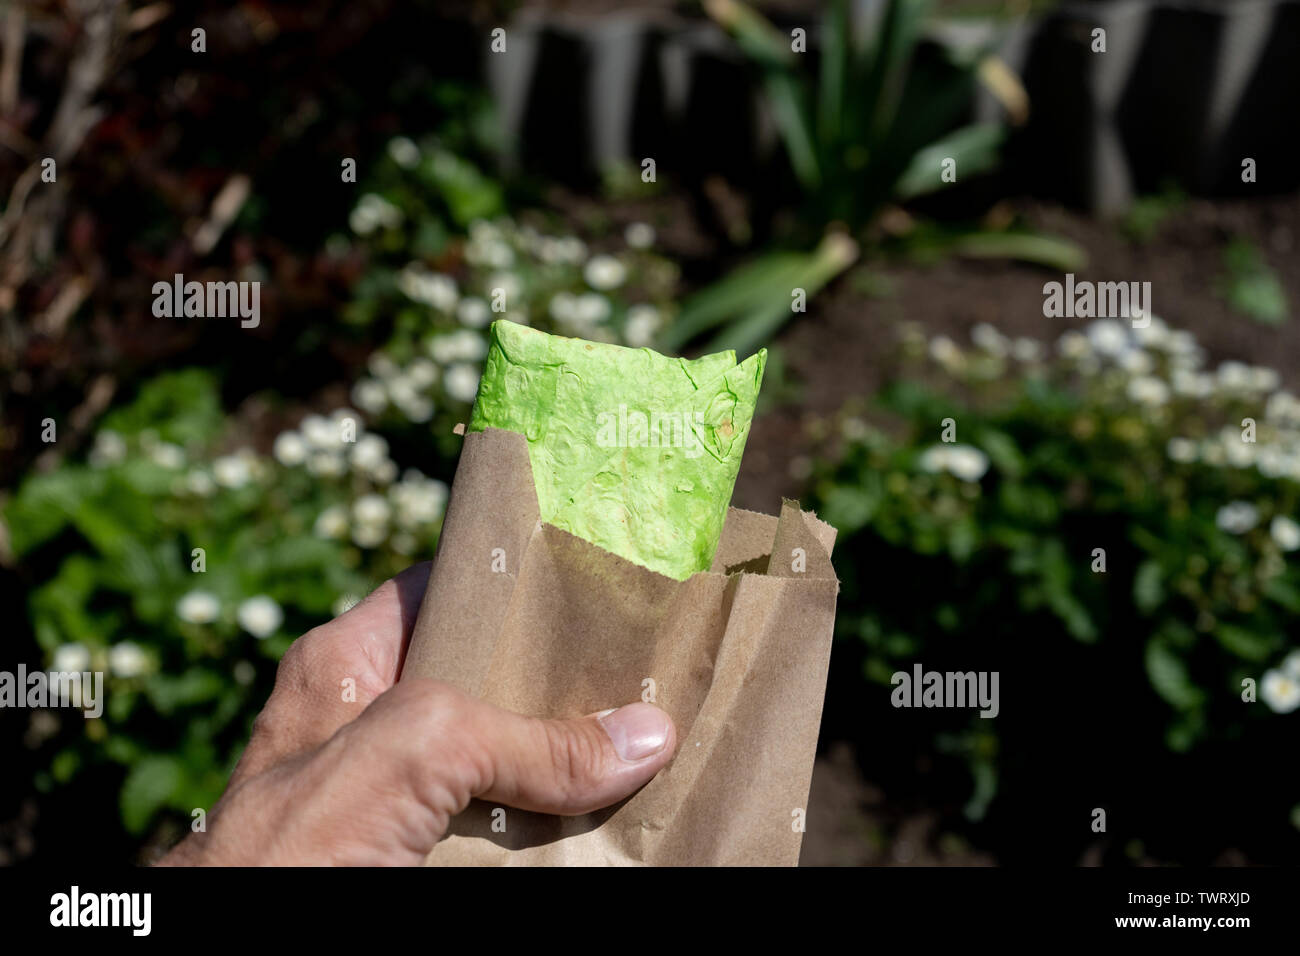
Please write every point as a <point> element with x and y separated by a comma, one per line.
<point>1103,512</point>
<point>343,500</point>
<point>1250,286</point>
<point>1144,219</point>
<point>881,122</point>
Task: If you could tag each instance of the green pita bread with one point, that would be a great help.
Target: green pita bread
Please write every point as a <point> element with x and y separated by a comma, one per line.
<point>632,450</point>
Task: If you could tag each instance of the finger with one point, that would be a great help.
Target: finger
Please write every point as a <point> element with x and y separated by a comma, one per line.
<point>333,672</point>
<point>462,746</point>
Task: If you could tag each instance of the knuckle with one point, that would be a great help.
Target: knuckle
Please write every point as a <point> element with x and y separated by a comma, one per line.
<point>437,707</point>
<point>577,756</point>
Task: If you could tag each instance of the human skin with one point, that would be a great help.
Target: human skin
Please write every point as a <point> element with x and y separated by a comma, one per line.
<point>375,781</point>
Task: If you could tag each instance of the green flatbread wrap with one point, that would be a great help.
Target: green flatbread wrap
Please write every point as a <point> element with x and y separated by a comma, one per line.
<point>634,451</point>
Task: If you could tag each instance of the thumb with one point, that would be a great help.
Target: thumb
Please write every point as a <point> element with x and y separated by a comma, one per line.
<point>472,749</point>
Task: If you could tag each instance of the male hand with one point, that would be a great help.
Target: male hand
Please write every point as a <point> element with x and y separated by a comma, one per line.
<point>326,781</point>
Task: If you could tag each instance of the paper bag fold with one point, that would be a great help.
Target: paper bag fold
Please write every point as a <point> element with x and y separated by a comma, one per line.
<point>538,621</point>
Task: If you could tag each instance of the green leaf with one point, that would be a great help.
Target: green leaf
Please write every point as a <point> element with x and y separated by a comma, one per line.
<point>1168,675</point>
<point>45,503</point>
<point>1002,451</point>
<point>766,278</point>
<point>195,686</point>
<point>1059,255</point>
<point>149,786</point>
<point>756,327</point>
<point>1148,586</point>
<point>1245,643</point>
<point>974,148</point>
<point>181,407</point>
<point>1250,286</point>
<point>790,110</point>
<point>848,508</point>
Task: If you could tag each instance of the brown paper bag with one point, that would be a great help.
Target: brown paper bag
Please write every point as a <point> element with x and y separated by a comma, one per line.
<point>536,620</point>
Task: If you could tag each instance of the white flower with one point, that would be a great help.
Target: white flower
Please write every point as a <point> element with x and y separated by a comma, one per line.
<point>1264,379</point>
<point>507,283</point>
<point>127,659</point>
<point>473,312</point>
<point>1234,376</point>
<point>385,471</point>
<point>369,396</point>
<point>381,365</point>
<point>641,326</point>
<point>461,382</point>
<point>1154,335</point>
<point>944,351</point>
<point>1272,462</point>
<point>418,500</point>
<point>989,339</point>
<point>854,428</point>
<point>1238,453</point>
<point>401,389</point>
<point>201,483</point>
<point>244,673</point>
<point>1183,344</point>
<point>934,459</point>
<point>421,373</point>
<point>434,289</point>
<point>1283,407</point>
<point>494,253</point>
<point>484,230</point>
<point>967,463</point>
<point>1136,362</point>
<point>403,543</point>
<point>347,424</point>
<point>417,408</point>
<point>1285,532</point>
<point>71,657</point>
<point>1280,691</point>
<point>1189,384</point>
<point>464,345</point>
<point>440,291</point>
<point>1074,345</point>
<point>1290,665</point>
<point>198,607</point>
<point>1026,350</point>
<point>548,250</point>
<point>332,522</point>
<point>371,509</point>
<point>371,212</point>
<point>290,449</point>
<point>604,273</point>
<point>639,235</point>
<point>326,464</point>
<point>166,455</point>
<point>961,461</point>
<point>1237,517</point>
<point>109,449</point>
<point>369,452</point>
<point>320,432</point>
<point>1148,390</point>
<point>231,471</point>
<point>570,250</point>
<point>1108,337</point>
<point>1182,450</point>
<point>260,616</point>
<point>369,535</point>
<point>404,152</point>
<point>563,306</point>
<point>591,308</point>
